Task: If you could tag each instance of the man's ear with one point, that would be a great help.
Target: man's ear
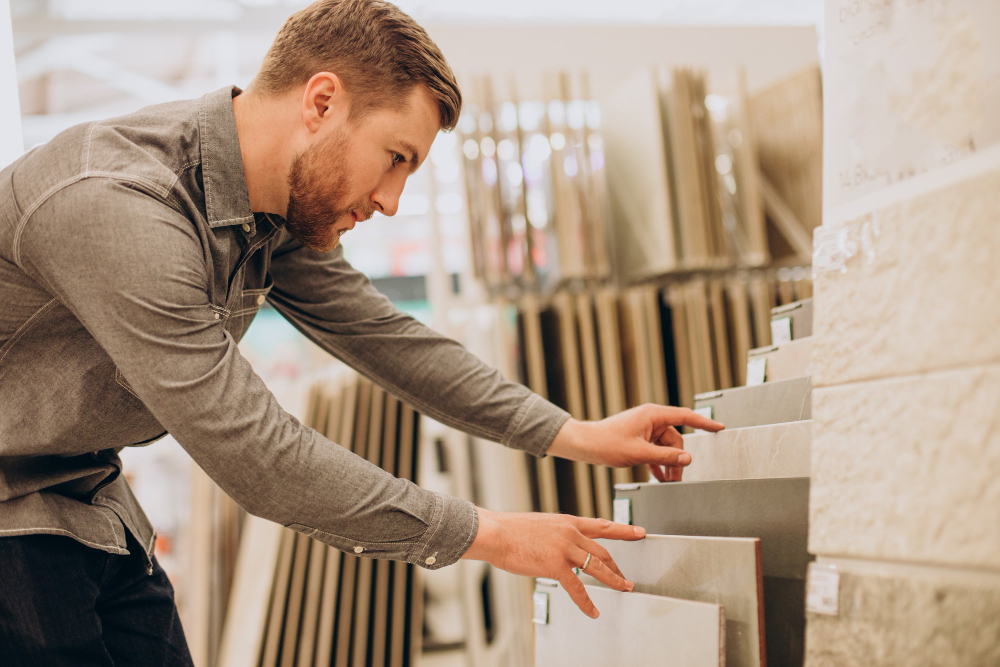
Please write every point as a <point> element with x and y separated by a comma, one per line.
<point>324,101</point>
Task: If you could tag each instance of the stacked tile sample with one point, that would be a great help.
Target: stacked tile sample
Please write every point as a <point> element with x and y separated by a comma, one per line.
<point>750,481</point>
<point>905,504</point>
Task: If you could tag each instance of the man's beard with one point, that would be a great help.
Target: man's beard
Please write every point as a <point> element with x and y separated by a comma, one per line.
<point>317,181</point>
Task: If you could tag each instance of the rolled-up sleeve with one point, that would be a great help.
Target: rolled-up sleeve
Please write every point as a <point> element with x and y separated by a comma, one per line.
<point>133,271</point>
<point>338,308</point>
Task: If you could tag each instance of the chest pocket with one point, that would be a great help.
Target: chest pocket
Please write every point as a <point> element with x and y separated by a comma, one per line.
<point>246,306</point>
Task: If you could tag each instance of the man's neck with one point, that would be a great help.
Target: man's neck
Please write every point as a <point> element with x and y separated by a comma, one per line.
<point>265,150</point>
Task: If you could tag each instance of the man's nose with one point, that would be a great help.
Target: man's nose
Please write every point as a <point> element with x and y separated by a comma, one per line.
<point>386,198</point>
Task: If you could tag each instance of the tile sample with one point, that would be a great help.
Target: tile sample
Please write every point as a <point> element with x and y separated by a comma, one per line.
<point>889,615</point>
<point>774,510</point>
<point>786,361</point>
<point>633,629</point>
<point>800,316</point>
<point>920,481</point>
<point>720,570</point>
<point>768,403</point>
<point>921,292</point>
<point>755,452</point>
<point>638,177</point>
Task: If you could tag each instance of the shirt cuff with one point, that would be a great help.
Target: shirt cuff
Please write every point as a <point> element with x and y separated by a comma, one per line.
<point>453,526</point>
<point>534,426</point>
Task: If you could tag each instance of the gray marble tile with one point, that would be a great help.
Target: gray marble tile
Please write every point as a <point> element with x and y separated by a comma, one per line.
<point>721,570</point>
<point>756,452</point>
<point>633,629</point>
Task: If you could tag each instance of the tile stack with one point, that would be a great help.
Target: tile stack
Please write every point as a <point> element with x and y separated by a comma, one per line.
<point>299,602</point>
<point>734,532</point>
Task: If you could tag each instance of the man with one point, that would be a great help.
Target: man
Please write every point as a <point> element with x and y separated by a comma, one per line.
<point>134,253</point>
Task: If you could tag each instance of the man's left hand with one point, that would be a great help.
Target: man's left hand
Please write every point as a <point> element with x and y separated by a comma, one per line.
<point>643,435</point>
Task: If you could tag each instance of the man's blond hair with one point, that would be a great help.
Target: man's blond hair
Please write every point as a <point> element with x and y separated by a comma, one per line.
<point>376,49</point>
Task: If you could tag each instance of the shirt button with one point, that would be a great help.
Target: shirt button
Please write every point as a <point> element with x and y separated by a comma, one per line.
<point>358,550</point>
<point>260,300</point>
<point>431,560</point>
<point>218,317</point>
<point>246,226</point>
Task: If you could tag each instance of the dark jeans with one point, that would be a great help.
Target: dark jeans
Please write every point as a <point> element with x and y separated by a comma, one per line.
<point>62,603</point>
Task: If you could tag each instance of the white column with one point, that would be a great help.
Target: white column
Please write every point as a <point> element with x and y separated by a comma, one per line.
<point>11,141</point>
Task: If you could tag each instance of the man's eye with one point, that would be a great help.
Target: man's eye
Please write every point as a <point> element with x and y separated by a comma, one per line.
<point>397,158</point>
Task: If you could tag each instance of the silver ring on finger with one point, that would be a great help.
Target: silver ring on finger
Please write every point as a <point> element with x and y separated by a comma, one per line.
<point>586,562</point>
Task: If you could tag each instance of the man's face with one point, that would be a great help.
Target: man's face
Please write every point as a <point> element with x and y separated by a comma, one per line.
<point>360,167</point>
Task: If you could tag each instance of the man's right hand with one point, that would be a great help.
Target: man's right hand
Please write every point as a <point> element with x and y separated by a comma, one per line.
<point>551,545</point>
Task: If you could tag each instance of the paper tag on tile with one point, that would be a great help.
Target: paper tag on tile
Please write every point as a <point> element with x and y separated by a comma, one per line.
<point>540,602</point>
<point>622,510</point>
<point>756,371</point>
<point>781,330</point>
<point>823,591</point>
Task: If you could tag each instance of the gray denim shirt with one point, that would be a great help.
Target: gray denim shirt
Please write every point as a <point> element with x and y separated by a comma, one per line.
<point>130,267</point>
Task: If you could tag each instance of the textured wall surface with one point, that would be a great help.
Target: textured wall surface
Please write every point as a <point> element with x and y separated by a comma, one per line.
<point>920,293</point>
<point>894,616</point>
<point>906,469</point>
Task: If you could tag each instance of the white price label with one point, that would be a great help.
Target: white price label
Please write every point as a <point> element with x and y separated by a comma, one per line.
<point>823,591</point>
<point>540,601</point>
<point>756,371</point>
<point>622,510</point>
<point>781,330</point>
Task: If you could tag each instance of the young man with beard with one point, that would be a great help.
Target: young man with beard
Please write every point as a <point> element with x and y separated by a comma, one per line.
<point>134,253</point>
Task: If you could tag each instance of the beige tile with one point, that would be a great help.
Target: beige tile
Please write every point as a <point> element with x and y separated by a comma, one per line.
<point>756,452</point>
<point>786,361</point>
<point>633,629</point>
<point>920,293</point>
<point>721,570</point>
<point>907,469</point>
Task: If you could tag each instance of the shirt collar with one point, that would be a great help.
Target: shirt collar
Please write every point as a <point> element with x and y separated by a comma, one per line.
<point>227,201</point>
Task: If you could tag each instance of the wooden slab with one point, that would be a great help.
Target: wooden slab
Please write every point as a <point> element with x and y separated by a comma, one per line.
<point>279,598</point>
<point>720,570</point>
<point>768,403</point>
<point>534,353</point>
<point>349,562</point>
<point>328,620</point>
<point>593,395</point>
<point>756,452</point>
<point>256,565</point>
<point>383,568</point>
<point>633,629</point>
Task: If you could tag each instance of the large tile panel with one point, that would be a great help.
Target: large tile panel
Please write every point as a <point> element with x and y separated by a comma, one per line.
<point>920,291</point>
<point>909,469</point>
<point>891,616</point>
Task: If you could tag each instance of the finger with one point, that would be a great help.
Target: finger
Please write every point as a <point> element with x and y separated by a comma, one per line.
<point>601,554</point>
<point>666,456</point>
<point>608,529</point>
<point>670,438</point>
<point>675,472</point>
<point>657,472</point>
<point>600,570</point>
<point>578,594</point>
<point>663,416</point>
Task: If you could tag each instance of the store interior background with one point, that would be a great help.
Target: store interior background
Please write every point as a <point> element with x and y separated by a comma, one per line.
<point>82,60</point>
